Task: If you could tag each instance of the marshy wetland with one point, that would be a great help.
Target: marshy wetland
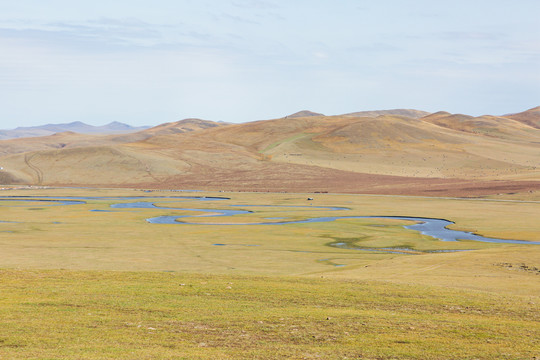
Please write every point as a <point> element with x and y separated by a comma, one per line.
<point>87,271</point>
<point>435,228</point>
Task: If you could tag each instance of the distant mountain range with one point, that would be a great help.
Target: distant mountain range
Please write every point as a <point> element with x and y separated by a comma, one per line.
<point>114,127</point>
<point>415,114</point>
<point>530,117</point>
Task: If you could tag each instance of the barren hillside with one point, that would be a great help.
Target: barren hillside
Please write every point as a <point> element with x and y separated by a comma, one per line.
<point>438,154</point>
<point>530,117</point>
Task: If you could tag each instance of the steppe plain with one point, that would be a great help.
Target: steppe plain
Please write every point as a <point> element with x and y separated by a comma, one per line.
<point>91,281</point>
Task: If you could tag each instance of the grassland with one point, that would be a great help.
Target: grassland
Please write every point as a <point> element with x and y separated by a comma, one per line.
<point>124,315</point>
<point>89,284</point>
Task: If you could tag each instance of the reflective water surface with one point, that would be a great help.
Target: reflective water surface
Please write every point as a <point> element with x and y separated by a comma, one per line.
<point>436,228</point>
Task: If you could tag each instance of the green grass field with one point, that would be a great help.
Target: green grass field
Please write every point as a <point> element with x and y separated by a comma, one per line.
<point>82,284</point>
<point>148,315</point>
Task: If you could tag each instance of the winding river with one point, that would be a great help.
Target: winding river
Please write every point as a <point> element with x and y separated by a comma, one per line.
<point>436,228</point>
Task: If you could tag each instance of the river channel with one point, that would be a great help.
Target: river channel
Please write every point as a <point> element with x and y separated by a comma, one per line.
<point>436,228</point>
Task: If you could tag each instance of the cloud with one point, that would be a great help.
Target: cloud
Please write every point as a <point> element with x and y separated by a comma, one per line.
<point>238,18</point>
<point>320,55</point>
<point>255,4</point>
<point>469,35</point>
<point>377,47</point>
<point>102,32</point>
<point>105,35</point>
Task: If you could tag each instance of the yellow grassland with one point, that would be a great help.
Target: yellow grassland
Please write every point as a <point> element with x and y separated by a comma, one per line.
<point>73,237</point>
<point>77,283</point>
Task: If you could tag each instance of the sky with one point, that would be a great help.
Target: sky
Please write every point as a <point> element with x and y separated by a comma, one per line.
<point>147,62</point>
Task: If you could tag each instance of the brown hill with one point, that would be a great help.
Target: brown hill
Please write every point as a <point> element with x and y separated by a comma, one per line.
<point>182,126</point>
<point>66,139</point>
<point>530,117</point>
<point>70,139</point>
<point>440,154</point>
<point>492,126</point>
<point>303,113</point>
<point>402,147</point>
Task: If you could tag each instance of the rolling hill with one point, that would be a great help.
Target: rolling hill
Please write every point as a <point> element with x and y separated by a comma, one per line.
<point>182,126</point>
<point>70,139</point>
<point>394,151</point>
<point>530,117</point>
